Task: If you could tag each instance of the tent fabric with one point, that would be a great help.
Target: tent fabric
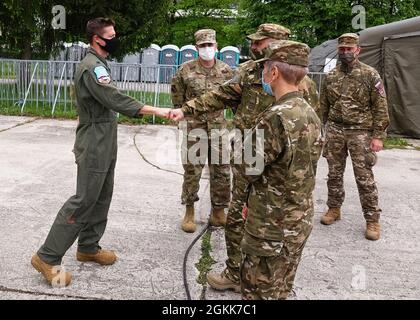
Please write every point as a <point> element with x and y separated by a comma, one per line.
<point>393,50</point>
<point>371,40</point>
<point>402,79</point>
<point>318,55</point>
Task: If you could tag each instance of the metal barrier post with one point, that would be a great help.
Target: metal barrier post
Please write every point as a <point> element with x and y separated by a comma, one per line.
<point>29,88</point>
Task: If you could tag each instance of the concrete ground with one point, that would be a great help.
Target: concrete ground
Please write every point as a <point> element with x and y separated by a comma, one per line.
<point>38,174</point>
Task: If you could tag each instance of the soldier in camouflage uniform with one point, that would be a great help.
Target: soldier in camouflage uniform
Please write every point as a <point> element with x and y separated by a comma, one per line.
<point>193,79</point>
<point>354,107</point>
<point>280,203</point>
<point>244,94</point>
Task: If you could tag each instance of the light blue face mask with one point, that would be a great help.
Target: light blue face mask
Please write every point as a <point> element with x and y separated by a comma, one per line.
<point>266,86</point>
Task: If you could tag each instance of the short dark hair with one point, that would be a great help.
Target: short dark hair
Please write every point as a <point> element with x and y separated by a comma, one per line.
<point>96,25</point>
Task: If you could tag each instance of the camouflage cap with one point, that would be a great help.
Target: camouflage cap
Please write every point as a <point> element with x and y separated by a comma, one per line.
<point>270,30</point>
<point>348,40</point>
<point>205,36</point>
<point>291,52</point>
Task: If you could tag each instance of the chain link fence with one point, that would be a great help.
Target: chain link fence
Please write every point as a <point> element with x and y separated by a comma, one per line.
<point>47,86</point>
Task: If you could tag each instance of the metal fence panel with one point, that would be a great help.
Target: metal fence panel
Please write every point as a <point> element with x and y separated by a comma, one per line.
<point>48,85</point>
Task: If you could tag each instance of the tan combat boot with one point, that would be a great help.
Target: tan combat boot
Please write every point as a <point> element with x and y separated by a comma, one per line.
<point>217,218</point>
<point>188,224</point>
<point>54,275</point>
<point>373,230</point>
<point>219,281</point>
<point>103,257</point>
<point>331,216</point>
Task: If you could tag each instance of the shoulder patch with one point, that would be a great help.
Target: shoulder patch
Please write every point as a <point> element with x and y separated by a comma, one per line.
<point>102,75</point>
<point>379,86</point>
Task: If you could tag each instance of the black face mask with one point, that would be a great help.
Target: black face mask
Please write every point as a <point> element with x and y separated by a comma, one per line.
<point>347,58</point>
<point>111,45</point>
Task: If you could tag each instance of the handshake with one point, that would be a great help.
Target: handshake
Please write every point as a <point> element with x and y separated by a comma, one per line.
<point>168,113</point>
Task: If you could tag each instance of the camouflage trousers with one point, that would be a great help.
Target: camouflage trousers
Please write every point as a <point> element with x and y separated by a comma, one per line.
<point>339,143</point>
<point>235,226</point>
<point>269,277</point>
<point>219,173</point>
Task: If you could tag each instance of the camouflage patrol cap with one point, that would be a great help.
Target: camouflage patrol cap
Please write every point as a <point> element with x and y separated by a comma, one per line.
<point>205,36</point>
<point>348,40</point>
<point>291,52</point>
<point>270,30</point>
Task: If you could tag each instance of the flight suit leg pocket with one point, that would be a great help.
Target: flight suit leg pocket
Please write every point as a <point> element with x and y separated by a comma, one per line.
<point>98,159</point>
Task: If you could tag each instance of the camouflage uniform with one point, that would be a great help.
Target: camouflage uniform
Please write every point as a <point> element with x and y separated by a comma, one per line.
<point>280,204</point>
<point>354,107</point>
<point>191,81</point>
<point>244,94</point>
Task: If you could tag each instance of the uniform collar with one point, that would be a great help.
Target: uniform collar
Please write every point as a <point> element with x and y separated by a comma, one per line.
<point>96,54</point>
<point>288,96</point>
<point>204,70</point>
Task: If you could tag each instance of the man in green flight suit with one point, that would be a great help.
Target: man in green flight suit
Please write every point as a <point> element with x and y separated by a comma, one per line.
<point>84,215</point>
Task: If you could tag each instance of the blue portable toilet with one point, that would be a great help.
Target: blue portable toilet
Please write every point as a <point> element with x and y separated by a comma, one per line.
<point>169,58</point>
<point>217,55</point>
<point>230,56</point>
<point>150,63</point>
<point>60,56</point>
<point>187,53</point>
<point>130,70</point>
<point>75,52</point>
<point>115,70</point>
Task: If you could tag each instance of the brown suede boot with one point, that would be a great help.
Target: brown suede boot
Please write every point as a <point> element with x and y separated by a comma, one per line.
<point>331,216</point>
<point>373,231</point>
<point>55,275</point>
<point>217,218</point>
<point>188,224</point>
<point>103,257</point>
<point>219,281</point>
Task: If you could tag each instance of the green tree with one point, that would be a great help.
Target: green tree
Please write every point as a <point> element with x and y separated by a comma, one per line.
<point>27,32</point>
<point>314,21</point>
<point>185,17</point>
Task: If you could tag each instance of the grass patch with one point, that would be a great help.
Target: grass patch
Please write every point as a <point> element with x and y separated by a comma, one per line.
<point>395,143</point>
<point>206,261</point>
<point>34,110</point>
<point>69,113</point>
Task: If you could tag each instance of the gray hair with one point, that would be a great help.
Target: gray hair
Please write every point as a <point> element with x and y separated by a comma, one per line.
<point>293,74</point>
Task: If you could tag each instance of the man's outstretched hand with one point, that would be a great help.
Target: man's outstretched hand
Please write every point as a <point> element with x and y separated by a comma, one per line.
<point>163,112</point>
<point>159,112</point>
<point>176,114</point>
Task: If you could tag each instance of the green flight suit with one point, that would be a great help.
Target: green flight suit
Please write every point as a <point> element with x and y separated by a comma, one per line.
<point>85,214</point>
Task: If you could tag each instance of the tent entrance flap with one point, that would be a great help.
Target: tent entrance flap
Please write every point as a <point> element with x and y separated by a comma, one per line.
<point>402,80</point>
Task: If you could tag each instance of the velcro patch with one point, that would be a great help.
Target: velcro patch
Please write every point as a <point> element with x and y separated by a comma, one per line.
<point>102,75</point>
<point>235,80</point>
<point>380,89</point>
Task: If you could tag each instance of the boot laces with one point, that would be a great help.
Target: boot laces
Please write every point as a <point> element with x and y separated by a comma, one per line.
<point>372,226</point>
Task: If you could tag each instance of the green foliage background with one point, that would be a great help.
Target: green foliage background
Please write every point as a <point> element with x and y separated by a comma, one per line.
<point>26,30</point>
